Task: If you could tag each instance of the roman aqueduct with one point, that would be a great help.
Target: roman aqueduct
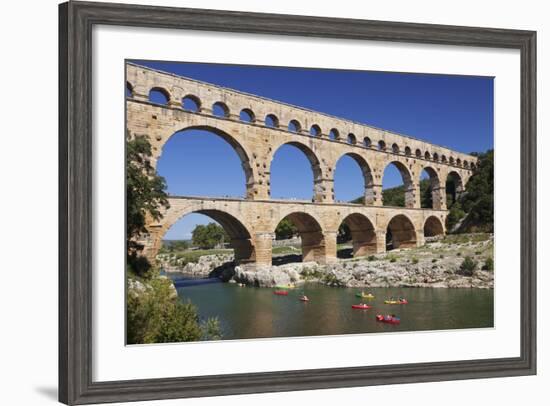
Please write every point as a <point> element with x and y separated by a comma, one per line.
<point>256,127</point>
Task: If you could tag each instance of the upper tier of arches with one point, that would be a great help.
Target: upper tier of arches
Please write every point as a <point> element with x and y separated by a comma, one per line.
<point>210,99</point>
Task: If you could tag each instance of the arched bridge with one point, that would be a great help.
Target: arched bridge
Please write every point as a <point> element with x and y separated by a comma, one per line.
<point>256,127</point>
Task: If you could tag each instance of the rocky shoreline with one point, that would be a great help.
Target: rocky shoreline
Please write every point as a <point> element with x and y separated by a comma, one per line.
<point>436,265</point>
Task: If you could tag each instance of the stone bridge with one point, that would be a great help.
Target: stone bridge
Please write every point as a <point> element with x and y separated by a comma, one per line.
<point>256,128</point>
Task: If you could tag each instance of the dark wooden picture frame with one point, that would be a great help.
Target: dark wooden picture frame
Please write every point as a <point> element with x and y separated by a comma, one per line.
<point>76,20</point>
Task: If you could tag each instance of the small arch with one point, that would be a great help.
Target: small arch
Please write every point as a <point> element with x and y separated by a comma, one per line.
<point>427,155</point>
<point>408,151</point>
<point>466,164</point>
<point>159,95</point>
<point>271,121</point>
<point>247,116</point>
<point>311,236</point>
<point>433,227</point>
<point>294,126</point>
<point>220,109</point>
<point>381,145</point>
<point>400,233</point>
<point>352,139</point>
<point>334,134</point>
<point>129,90</point>
<point>359,230</point>
<point>458,162</point>
<point>418,153</point>
<point>315,130</point>
<point>451,160</point>
<point>435,157</point>
<point>443,158</point>
<point>395,148</point>
<point>367,143</point>
<point>191,103</point>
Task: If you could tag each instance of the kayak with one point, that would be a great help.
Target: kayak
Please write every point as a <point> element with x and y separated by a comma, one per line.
<point>304,298</point>
<point>388,319</point>
<point>281,292</point>
<point>367,296</point>
<point>361,306</point>
<point>396,302</point>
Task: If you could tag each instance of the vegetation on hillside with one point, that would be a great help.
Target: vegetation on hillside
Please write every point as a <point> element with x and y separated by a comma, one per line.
<point>157,316</point>
<point>154,312</point>
<point>145,196</point>
<point>475,207</point>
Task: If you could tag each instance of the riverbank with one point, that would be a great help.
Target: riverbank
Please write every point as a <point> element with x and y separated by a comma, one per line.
<point>438,264</point>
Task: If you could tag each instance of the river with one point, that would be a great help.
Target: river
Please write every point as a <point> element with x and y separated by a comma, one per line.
<point>247,312</point>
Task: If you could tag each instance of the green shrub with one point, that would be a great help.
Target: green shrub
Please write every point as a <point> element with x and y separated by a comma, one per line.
<point>157,316</point>
<point>467,267</point>
<point>434,260</point>
<point>489,264</point>
<point>459,254</point>
<point>441,256</point>
<point>391,258</point>
<point>415,260</point>
<point>371,258</point>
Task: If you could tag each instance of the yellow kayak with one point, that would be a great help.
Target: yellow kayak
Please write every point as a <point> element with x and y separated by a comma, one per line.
<point>396,302</point>
<point>285,287</point>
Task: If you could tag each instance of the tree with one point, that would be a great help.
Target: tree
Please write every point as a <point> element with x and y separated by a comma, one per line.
<point>145,190</point>
<point>208,236</point>
<point>285,230</point>
<point>476,204</point>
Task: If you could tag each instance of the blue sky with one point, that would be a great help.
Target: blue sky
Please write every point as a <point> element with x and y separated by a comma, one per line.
<point>454,111</point>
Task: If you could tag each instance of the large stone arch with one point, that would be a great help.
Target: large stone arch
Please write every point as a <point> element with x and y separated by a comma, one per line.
<point>232,141</point>
<point>311,234</point>
<point>318,191</point>
<point>435,186</point>
<point>363,234</point>
<point>406,175</point>
<point>240,233</point>
<point>454,185</point>
<point>401,232</point>
<point>433,227</point>
<point>368,178</point>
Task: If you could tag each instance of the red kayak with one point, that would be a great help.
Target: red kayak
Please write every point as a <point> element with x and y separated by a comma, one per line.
<point>361,306</point>
<point>388,319</point>
<point>281,292</point>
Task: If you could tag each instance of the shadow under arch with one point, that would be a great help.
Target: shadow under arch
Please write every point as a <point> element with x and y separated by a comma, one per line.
<point>407,182</point>
<point>435,189</point>
<point>237,147</point>
<point>362,233</point>
<point>368,179</point>
<point>240,237</point>
<point>315,167</point>
<point>433,227</point>
<point>312,239</point>
<point>400,233</point>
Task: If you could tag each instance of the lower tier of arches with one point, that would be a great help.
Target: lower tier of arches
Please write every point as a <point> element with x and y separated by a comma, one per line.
<point>251,225</point>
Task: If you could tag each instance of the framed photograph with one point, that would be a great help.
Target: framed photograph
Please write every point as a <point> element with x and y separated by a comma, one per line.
<point>261,202</point>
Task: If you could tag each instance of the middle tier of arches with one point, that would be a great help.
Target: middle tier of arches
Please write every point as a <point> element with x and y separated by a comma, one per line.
<point>256,147</point>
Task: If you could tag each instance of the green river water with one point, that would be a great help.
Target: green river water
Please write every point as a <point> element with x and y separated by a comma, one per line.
<point>247,312</point>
